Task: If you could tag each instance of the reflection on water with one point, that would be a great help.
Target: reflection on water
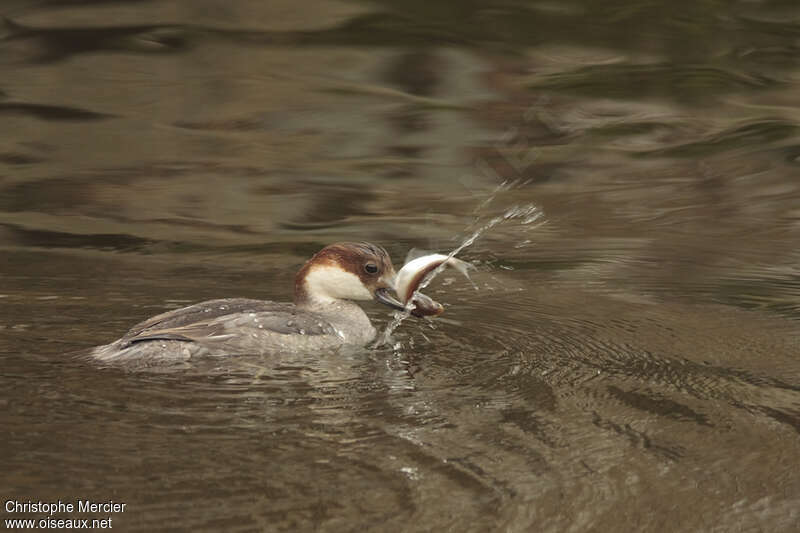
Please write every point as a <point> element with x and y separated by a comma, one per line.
<point>630,364</point>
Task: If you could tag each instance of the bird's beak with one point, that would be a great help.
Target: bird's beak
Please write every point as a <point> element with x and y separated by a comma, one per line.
<point>382,296</point>
<point>386,286</point>
<point>382,293</point>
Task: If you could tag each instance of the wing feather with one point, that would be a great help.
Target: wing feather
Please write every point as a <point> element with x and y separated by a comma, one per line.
<point>221,319</point>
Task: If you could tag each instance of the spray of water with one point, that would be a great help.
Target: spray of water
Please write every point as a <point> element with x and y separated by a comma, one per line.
<point>527,214</point>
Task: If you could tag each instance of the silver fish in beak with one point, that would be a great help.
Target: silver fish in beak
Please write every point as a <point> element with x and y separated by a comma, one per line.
<point>417,271</point>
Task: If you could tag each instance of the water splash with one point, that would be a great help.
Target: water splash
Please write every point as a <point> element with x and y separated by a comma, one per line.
<point>505,185</point>
<point>528,213</point>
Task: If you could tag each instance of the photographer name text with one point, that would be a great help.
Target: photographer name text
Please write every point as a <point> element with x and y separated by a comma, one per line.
<point>59,507</point>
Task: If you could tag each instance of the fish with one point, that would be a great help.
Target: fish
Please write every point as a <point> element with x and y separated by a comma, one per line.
<point>414,273</point>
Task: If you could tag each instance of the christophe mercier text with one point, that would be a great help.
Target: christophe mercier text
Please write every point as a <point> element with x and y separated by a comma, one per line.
<point>51,508</point>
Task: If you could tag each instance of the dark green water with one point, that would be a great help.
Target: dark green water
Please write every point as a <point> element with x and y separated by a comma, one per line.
<point>631,365</point>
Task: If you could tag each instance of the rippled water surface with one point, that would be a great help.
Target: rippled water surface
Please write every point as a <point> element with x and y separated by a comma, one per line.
<point>629,362</point>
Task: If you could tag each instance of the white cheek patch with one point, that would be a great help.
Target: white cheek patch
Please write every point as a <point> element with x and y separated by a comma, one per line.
<point>327,283</point>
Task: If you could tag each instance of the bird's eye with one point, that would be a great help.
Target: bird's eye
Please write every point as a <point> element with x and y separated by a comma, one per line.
<point>371,268</point>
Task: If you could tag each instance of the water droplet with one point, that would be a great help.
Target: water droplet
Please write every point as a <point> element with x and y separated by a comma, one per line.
<point>290,323</point>
<point>411,472</point>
